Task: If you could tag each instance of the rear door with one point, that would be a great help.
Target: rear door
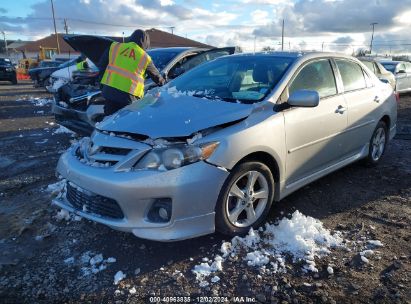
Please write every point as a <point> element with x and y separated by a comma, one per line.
<point>314,136</point>
<point>363,99</point>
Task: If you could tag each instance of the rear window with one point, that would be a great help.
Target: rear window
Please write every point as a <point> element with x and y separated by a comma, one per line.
<point>351,74</point>
<point>369,65</point>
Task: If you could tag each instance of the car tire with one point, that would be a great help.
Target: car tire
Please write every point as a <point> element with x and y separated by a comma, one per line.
<point>378,144</point>
<point>14,79</point>
<point>245,199</point>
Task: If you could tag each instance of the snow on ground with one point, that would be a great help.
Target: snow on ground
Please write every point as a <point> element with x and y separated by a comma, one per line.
<point>302,237</point>
<point>62,129</point>
<point>41,102</point>
<point>57,187</point>
<point>118,277</point>
<point>90,262</point>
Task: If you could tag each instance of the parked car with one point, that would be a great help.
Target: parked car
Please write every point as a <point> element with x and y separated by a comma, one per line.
<point>379,71</point>
<point>7,71</point>
<point>214,148</point>
<point>41,74</point>
<point>79,106</point>
<point>402,72</point>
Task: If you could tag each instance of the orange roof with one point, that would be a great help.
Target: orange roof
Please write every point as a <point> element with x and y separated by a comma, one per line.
<point>157,39</point>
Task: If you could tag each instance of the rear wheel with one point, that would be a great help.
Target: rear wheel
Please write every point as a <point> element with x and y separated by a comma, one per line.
<point>378,144</point>
<point>245,198</point>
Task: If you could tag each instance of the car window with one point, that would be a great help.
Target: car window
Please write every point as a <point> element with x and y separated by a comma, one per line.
<point>390,66</point>
<point>351,74</point>
<point>234,78</point>
<point>204,57</point>
<point>408,67</point>
<point>369,65</point>
<point>368,80</point>
<point>401,67</point>
<point>317,76</point>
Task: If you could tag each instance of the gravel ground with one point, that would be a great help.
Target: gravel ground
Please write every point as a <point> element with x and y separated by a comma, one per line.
<point>43,259</point>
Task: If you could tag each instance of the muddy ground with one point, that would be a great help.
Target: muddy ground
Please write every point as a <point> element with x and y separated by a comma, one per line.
<point>36,247</point>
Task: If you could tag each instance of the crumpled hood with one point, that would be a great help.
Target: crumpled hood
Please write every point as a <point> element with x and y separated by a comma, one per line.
<point>169,115</point>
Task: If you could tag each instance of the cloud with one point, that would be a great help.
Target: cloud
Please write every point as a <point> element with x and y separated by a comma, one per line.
<point>3,10</point>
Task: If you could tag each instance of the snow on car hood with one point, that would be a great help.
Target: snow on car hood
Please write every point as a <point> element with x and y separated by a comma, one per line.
<point>173,115</point>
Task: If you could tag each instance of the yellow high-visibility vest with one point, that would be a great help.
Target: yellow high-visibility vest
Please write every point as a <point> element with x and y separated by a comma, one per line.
<point>81,65</point>
<point>126,68</point>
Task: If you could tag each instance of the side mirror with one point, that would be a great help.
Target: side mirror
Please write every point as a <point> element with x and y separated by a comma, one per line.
<point>304,98</point>
<point>401,72</point>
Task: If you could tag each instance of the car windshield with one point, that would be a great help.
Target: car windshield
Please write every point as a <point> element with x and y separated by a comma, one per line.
<point>389,66</point>
<point>245,79</point>
<point>161,57</point>
<point>5,61</point>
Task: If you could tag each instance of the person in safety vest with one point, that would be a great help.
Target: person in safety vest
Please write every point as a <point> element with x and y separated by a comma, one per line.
<point>125,66</point>
<point>81,63</point>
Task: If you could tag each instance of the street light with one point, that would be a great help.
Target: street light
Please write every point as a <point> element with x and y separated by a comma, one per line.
<point>5,43</point>
<point>372,36</point>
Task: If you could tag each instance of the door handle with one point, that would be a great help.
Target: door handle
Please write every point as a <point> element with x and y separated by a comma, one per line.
<point>377,99</point>
<point>341,109</point>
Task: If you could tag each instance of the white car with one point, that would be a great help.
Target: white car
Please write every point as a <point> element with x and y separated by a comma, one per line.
<point>63,76</point>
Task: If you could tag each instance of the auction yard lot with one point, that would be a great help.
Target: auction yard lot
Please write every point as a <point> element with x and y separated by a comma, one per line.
<point>49,256</point>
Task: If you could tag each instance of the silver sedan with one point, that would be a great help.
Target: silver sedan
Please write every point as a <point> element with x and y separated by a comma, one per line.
<point>218,146</point>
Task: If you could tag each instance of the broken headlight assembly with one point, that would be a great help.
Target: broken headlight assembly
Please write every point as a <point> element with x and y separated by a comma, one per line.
<point>175,156</point>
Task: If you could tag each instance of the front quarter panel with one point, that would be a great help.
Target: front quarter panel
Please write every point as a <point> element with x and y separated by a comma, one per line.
<point>262,131</point>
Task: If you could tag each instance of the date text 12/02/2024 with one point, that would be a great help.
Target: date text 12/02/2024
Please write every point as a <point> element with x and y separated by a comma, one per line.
<point>202,299</point>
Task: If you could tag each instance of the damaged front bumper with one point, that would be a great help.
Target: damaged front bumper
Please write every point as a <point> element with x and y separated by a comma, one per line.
<point>192,192</point>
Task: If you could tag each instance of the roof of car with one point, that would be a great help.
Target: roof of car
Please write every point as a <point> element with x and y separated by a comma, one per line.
<point>305,54</point>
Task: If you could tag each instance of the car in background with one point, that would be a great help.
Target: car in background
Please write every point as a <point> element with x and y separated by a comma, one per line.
<point>379,71</point>
<point>78,106</point>
<point>402,72</point>
<point>41,74</point>
<point>7,71</point>
<point>215,148</point>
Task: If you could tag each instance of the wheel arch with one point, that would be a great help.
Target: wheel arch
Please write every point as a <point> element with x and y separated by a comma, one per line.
<point>271,163</point>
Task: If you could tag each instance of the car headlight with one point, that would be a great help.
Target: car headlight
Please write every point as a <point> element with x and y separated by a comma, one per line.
<point>176,156</point>
<point>9,69</point>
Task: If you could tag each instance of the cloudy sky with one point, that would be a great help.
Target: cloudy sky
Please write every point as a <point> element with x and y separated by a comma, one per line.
<point>338,25</point>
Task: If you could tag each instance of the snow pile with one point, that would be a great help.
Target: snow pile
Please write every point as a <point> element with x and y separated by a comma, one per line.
<point>118,277</point>
<point>41,102</point>
<point>301,237</point>
<point>175,93</point>
<point>94,263</point>
<point>196,136</point>
<point>62,130</point>
<point>375,243</point>
<point>57,188</point>
<point>67,216</point>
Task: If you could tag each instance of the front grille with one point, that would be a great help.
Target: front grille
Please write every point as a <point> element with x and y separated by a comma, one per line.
<point>93,203</point>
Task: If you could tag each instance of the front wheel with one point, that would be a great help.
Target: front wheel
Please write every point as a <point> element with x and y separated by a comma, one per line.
<point>245,198</point>
<point>378,144</point>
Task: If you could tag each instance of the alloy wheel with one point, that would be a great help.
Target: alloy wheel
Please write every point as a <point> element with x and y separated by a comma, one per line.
<point>378,144</point>
<point>247,199</point>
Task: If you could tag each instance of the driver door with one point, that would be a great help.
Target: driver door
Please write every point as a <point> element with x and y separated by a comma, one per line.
<point>314,136</point>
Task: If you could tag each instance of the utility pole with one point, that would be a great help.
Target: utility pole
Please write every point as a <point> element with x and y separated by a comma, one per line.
<point>65,25</point>
<point>255,37</point>
<point>322,47</point>
<point>172,29</point>
<point>55,28</point>
<point>5,43</point>
<point>372,36</point>
<point>282,37</point>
